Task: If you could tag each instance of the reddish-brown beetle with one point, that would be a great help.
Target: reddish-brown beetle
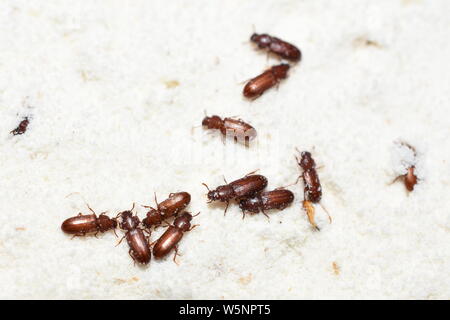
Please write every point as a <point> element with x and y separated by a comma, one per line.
<point>22,127</point>
<point>172,236</point>
<point>275,199</point>
<point>137,241</point>
<point>166,209</point>
<point>312,187</point>
<point>88,223</point>
<point>409,178</point>
<point>244,187</point>
<point>269,78</point>
<point>235,128</point>
<point>277,46</point>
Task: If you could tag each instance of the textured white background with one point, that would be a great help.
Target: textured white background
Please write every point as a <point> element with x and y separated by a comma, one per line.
<point>93,75</point>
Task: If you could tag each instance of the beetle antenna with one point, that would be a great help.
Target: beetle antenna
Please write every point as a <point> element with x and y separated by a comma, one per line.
<point>206,186</point>
<point>329,217</point>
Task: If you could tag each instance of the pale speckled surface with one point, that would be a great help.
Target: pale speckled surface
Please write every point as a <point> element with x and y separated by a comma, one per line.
<point>96,78</point>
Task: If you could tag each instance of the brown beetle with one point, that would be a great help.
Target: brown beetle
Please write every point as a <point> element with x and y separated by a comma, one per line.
<point>275,199</point>
<point>22,127</point>
<point>269,78</point>
<point>137,241</point>
<point>244,187</point>
<point>277,46</point>
<point>312,187</point>
<point>88,223</point>
<point>409,178</point>
<point>236,128</point>
<point>172,236</point>
<point>166,209</point>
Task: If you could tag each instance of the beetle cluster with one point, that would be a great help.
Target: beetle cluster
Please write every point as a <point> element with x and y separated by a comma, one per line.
<point>140,247</point>
<point>248,192</point>
<point>271,77</point>
<point>236,128</point>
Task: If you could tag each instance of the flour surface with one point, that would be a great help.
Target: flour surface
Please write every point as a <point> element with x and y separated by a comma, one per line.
<point>115,92</point>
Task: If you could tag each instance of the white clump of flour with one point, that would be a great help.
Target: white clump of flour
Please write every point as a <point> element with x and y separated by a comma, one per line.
<point>116,91</point>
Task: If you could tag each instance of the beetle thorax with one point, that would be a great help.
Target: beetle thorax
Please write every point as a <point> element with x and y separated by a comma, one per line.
<point>183,222</point>
<point>128,221</point>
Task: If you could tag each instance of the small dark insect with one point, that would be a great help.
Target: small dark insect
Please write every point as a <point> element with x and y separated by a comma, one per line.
<point>22,127</point>
<point>138,242</point>
<point>172,236</point>
<point>244,187</point>
<point>409,178</point>
<point>277,46</point>
<point>166,209</point>
<point>275,199</point>
<point>312,187</point>
<point>235,128</point>
<point>266,80</point>
<point>88,223</point>
<point>313,190</point>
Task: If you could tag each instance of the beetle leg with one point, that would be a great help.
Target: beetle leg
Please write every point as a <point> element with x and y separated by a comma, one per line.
<point>247,141</point>
<point>115,232</point>
<point>175,255</point>
<point>195,225</point>
<point>132,257</point>
<point>396,179</point>
<point>264,213</point>
<point>120,241</point>
<point>82,234</point>
<point>95,234</point>
<point>329,217</point>
<point>156,201</point>
<point>250,173</point>
<point>224,139</point>
<point>224,179</point>
<point>226,208</point>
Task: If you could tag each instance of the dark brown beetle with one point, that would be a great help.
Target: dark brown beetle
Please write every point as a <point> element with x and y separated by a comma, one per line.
<point>88,223</point>
<point>236,128</point>
<point>166,209</point>
<point>244,187</point>
<point>269,78</point>
<point>313,190</point>
<point>275,199</point>
<point>409,178</point>
<point>312,187</point>
<point>277,46</point>
<point>22,127</point>
<point>137,241</point>
<point>172,236</point>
